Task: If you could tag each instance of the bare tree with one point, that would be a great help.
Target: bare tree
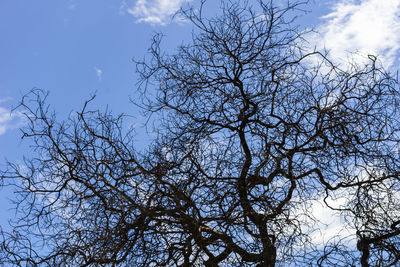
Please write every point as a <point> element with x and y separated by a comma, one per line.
<point>252,130</point>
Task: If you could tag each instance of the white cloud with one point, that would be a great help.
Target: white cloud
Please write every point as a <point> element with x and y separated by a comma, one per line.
<point>99,73</point>
<point>366,27</point>
<point>330,224</point>
<point>155,11</point>
<point>9,120</point>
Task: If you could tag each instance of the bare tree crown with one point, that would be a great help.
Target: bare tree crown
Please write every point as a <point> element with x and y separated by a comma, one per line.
<point>253,129</point>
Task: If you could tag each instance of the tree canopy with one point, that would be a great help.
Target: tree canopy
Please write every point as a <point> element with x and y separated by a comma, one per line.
<point>254,128</point>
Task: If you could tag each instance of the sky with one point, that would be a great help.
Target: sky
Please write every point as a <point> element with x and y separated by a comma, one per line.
<point>76,48</point>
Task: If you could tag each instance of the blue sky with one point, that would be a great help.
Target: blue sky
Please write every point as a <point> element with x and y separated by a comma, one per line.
<point>74,48</point>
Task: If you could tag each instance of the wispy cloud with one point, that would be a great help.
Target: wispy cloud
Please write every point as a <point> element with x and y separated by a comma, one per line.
<point>155,11</point>
<point>71,5</point>
<point>365,27</point>
<point>99,73</point>
<point>9,120</point>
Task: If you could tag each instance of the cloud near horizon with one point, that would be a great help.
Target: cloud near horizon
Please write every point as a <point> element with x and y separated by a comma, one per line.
<point>157,12</point>
<point>355,29</point>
